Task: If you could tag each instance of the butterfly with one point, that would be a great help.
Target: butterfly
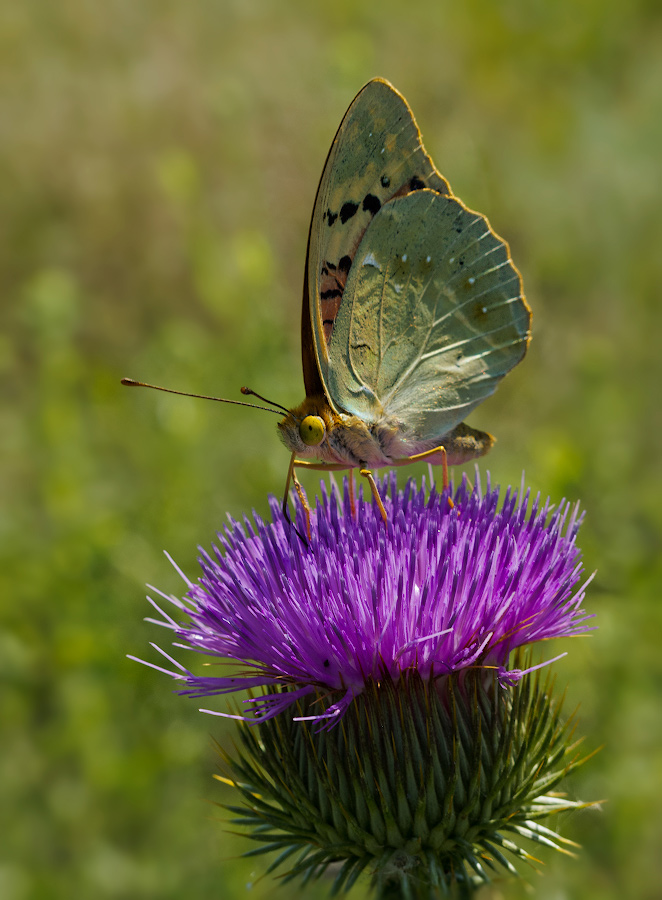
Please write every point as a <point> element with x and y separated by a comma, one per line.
<point>412,313</point>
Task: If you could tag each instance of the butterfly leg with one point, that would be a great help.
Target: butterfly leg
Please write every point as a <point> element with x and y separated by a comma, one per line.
<point>352,501</point>
<point>417,457</point>
<point>367,474</point>
<point>303,499</point>
<point>291,477</point>
<point>335,467</point>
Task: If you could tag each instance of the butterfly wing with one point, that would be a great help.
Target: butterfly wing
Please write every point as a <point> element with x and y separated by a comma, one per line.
<point>376,156</point>
<point>432,317</point>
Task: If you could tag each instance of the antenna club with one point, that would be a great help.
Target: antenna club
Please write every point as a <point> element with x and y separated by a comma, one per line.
<point>248,392</point>
<point>129,382</point>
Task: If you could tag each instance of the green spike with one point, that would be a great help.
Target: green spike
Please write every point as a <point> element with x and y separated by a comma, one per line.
<point>419,783</point>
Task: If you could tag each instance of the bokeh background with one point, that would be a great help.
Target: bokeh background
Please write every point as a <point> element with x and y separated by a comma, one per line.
<point>158,163</point>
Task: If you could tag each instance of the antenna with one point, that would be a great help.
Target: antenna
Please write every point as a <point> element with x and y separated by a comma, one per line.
<point>130,382</point>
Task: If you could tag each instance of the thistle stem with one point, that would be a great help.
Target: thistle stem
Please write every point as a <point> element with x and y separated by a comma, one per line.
<point>391,887</point>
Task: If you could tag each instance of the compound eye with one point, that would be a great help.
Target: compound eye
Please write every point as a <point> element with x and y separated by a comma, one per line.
<point>312,430</point>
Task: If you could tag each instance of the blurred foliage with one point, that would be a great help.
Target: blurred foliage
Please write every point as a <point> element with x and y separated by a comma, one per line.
<point>158,163</point>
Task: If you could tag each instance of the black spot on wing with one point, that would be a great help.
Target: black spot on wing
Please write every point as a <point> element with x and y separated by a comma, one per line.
<point>416,184</point>
<point>344,264</point>
<point>371,204</point>
<point>385,180</point>
<point>332,292</point>
<point>347,210</point>
<point>331,217</point>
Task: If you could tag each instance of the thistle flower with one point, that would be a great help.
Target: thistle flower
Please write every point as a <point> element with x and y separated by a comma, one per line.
<point>395,730</point>
<point>439,590</point>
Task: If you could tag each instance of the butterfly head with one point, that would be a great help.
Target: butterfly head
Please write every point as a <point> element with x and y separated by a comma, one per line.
<point>305,429</point>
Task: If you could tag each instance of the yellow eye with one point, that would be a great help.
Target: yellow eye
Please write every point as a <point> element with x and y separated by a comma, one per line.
<point>312,430</point>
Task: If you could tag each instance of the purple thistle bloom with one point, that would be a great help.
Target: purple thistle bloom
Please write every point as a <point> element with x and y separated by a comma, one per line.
<point>438,590</point>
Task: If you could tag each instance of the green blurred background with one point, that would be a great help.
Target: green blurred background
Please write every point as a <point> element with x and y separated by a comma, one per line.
<point>158,163</point>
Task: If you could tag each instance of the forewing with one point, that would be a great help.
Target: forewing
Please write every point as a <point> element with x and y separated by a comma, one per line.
<point>433,316</point>
<point>376,155</point>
